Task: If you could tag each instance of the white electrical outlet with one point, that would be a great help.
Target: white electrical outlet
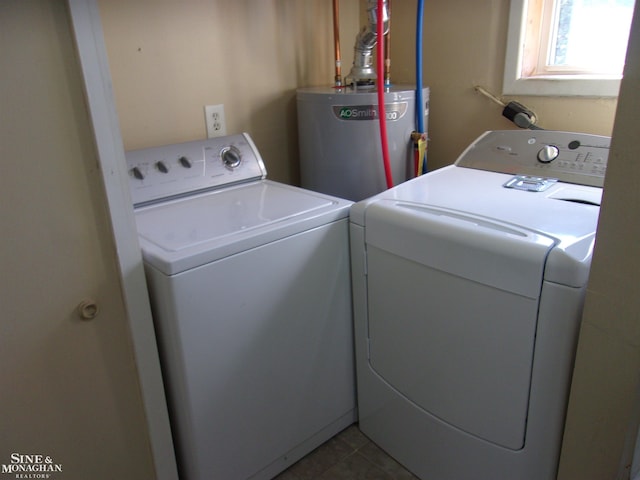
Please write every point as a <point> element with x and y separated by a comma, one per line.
<point>214,119</point>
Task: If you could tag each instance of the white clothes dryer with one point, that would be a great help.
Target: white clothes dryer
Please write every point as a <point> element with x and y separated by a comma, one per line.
<point>468,287</point>
<point>250,291</point>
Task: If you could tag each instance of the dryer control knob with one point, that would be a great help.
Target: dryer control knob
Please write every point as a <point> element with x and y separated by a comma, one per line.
<point>230,157</point>
<point>548,153</point>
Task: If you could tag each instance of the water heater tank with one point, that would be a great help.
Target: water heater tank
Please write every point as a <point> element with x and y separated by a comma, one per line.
<point>339,137</point>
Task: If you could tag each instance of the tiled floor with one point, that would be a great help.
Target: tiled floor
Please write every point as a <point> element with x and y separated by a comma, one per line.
<point>350,455</point>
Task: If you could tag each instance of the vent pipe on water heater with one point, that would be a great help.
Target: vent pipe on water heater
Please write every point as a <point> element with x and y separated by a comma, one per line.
<point>363,72</point>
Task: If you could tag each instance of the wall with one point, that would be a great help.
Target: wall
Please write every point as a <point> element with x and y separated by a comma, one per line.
<point>604,405</point>
<point>464,45</point>
<point>70,387</point>
<point>168,59</point>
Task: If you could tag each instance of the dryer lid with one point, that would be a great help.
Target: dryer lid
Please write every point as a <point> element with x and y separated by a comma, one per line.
<point>564,212</point>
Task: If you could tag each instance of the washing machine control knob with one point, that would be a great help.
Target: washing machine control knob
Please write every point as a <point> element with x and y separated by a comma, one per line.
<point>161,166</point>
<point>137,173</point>
<point>231,157</point>
<point>185,162</point>
<point>548,153</point>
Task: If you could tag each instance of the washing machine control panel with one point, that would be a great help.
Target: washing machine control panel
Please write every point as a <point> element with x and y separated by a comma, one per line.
<point>569,157</point>
<point>169,171</point>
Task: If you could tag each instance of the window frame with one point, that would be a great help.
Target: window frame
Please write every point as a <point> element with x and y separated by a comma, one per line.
<point>546,85</point>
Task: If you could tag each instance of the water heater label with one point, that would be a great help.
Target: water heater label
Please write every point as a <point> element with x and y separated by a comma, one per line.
<point>393,111</point>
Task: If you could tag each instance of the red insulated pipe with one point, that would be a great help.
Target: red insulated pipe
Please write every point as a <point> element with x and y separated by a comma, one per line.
<point>380,81</point>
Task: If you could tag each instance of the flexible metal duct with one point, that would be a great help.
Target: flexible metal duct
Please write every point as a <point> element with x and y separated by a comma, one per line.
<point>363,70</point>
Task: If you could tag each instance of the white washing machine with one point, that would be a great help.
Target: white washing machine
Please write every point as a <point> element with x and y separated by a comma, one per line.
<point>250,290</point>
<point>468,287</point>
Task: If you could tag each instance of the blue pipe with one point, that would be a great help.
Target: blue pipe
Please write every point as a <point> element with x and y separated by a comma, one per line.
<point>419,99</point>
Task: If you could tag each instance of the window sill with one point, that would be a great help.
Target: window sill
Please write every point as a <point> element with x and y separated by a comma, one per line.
<point>562,86</point>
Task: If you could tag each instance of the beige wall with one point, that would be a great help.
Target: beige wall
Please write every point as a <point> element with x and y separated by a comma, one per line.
<point>70,387</point>
<point>168,59</point>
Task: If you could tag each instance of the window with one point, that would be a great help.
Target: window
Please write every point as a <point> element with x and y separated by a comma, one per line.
<point>567,47</point>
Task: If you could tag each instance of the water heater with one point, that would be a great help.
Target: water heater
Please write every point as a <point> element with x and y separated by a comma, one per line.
<point>339,137</point>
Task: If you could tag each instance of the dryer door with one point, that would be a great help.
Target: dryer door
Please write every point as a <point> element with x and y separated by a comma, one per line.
<point>452,309</point>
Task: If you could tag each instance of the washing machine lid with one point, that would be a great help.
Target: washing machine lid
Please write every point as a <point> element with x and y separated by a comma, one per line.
<point>566,213</point>
<point>188,232</point>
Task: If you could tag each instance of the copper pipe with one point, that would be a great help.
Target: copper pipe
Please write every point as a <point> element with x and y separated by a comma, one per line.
<point>336,39</point>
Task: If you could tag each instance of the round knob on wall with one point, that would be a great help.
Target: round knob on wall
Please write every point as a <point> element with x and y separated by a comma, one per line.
<point>87,309</point>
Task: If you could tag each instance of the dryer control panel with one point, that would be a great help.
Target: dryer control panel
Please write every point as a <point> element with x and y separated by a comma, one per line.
<point>168,171</point>
<point>569,157</point>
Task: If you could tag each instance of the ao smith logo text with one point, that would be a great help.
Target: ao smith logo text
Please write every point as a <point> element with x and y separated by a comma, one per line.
<point>31,466</point>
<point>393,111</point>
